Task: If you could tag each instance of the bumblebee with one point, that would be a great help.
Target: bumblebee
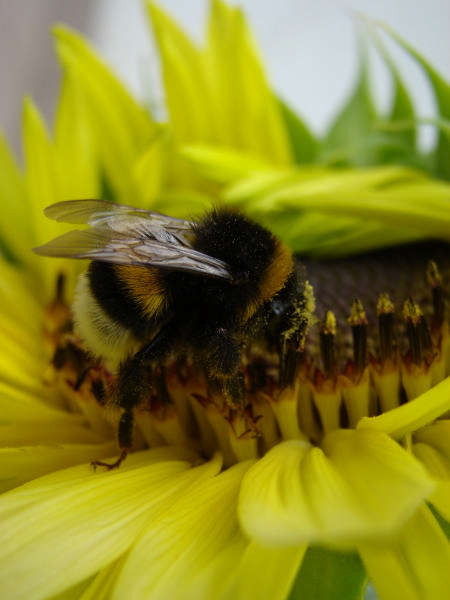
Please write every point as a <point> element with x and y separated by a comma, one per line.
<point>158,286</point>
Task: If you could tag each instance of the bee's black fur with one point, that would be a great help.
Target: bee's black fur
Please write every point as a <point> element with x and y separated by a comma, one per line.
<point>237,240</point>
<point>211,303</point>
<point>113,297</point>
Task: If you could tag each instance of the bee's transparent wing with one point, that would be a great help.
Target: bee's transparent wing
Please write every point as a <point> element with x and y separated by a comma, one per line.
<point>134,247</point>
<point>102,212</point>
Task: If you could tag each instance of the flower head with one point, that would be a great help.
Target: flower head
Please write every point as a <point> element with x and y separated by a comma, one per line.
<point>340,455</point>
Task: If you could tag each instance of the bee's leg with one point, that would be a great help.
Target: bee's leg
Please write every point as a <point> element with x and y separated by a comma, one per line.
<point>125,437</point>
<point>222,358</point>
<point>160,346</point>
<point>133,383</point>
<point>233,389</point>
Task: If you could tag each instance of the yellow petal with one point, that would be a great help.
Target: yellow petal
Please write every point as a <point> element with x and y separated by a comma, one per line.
<point>77,165</point>
<point>99,587</point>
<point>23,375</point>
<point>362,485</point>
<point>25,352</point>
<point>41,177</point>
<point>386,479</point>
<point>61,528</point>
<point>184,83</point>
<point>69,429</point>
<point>11,331</point>
<point>15,226</point>
<point>150,170</point>
<point>220,95</point>
<point>19,465</point>
<point>42,188</point>
<point>400,203</point>
<point>415,414</point>
<point>264,573</point>
<point>245,108</point>
<point>432,447</point>
<point>17,404</point>
<point>413,566</point>
<point>223,164</point>
<point>178,548</point>
<point>120,127</point>
<point>75,593</point>
<point>26,314</point>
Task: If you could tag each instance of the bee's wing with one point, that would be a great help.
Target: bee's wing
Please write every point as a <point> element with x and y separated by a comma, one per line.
<point>102,212</point>
<point>134,247</point>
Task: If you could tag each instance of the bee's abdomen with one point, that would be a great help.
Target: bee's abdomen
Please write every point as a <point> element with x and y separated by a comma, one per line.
<point>102,335</point>
<point>114,298</point>
<point>117,307</point>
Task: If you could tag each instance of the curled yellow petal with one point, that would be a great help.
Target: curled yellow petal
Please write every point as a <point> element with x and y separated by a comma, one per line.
<point>414,414</point>
<point>360,486</point>
<point>432,447</point>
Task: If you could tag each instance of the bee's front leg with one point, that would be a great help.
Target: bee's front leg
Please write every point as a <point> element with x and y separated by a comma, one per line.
<point>222,358</point>
<point>233,390</point>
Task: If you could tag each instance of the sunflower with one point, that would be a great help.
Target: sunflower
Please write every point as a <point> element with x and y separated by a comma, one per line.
<point>337,472</point>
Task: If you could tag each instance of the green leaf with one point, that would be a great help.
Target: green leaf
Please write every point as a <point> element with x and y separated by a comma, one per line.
<point>346,143</point>
<point>442,94</point>
<point>304,145</point>
<point>327,575</point>
<point>402,106</point>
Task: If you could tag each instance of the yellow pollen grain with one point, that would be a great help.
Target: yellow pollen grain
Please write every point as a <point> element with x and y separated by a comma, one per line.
<point>412,312</point>
<point>433,275</point>
<point>384,305</point>
<point>357,315</point>
<point>329,324</point>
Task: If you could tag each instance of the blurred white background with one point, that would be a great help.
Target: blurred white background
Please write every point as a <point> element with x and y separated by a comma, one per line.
<point>308,46</point>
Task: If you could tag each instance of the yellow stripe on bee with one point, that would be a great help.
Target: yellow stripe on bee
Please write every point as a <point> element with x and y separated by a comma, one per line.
<point>101,335</point>
<point>145,286</point>
<point>274,277</point>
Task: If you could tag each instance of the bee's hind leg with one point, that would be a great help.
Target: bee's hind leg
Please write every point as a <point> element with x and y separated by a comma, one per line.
<point>125,438</point>
<point>133,384</point>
